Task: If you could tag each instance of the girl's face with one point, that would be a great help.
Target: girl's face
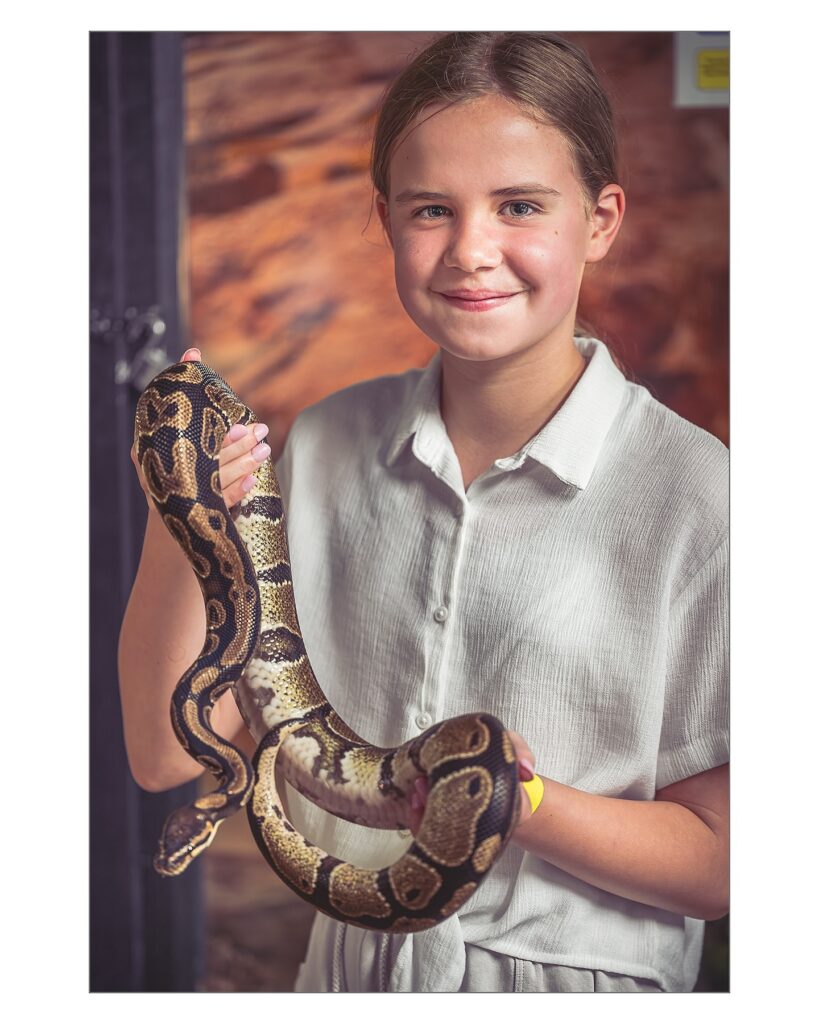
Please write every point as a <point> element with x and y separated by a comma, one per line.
<point>489,231</point>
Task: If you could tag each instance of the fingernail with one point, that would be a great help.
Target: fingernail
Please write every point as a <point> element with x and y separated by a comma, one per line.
<point>526,769</point>
<point>260,452</point>
<point>237,431</point>
<point>193,352</point>
<point>248,483</point>
<point>261,431</point>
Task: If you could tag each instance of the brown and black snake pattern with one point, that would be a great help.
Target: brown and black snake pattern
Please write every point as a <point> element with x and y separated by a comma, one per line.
<point>253,645</point>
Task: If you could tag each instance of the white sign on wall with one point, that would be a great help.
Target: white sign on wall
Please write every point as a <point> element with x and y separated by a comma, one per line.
<point>701,69</point>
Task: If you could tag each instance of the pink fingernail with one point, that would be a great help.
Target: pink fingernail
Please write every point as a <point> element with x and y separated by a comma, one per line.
<point>237,431</point>
<point>261,431</point>
<point>526,769</point>
<point>422,786</point>
<point>248,483</point>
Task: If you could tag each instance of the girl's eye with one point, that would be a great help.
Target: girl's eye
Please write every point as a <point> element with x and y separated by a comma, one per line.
<point>515,206</point>
<point>430,212</point>
<point>519,208</point>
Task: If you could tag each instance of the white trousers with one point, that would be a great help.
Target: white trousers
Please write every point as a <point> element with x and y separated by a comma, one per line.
<point>344,959</point>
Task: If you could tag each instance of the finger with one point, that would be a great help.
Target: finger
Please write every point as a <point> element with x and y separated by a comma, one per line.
<point>418,801</point>
<point>523,752</point>
<point>240,439</point>
<point>243,451</point>
<point>236,491</point>
<point>192,354</point>
<point>244,465</point>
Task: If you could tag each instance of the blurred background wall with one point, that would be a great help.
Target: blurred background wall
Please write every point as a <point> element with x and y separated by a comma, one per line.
<point>284,281</point>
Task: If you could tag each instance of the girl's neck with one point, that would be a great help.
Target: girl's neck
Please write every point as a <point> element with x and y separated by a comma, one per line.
<point>491,409</point>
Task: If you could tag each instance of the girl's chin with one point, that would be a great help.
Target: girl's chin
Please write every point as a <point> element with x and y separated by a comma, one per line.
<point>500,341</point>
<point>479,352</point>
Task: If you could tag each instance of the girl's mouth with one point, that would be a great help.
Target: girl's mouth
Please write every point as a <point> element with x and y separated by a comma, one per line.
<point>476,301</point>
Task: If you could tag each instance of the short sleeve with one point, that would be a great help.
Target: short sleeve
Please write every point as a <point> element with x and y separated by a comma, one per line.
<point>694,736</point>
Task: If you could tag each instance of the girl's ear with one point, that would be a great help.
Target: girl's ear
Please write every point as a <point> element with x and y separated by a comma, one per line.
<point>382,206</point>
<point>605,222</point>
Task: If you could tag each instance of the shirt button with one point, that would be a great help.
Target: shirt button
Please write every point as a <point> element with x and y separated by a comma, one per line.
<point>423,721</point>
<point>440,614</point>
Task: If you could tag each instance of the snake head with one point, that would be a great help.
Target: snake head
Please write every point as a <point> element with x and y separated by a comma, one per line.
<point>186,833</point>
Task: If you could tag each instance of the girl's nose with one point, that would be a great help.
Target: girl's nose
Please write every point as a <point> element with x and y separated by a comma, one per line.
<point>472,247</point>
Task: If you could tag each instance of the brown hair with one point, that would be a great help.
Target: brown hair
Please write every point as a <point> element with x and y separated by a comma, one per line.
<point>550,78</point>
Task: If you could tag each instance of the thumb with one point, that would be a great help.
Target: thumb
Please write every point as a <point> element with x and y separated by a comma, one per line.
<point>192,355</point>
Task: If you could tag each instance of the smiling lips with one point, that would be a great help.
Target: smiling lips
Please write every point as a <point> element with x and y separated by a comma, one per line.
<point>476,301</point>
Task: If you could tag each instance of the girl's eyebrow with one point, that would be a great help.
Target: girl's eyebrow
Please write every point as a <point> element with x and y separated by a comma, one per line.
<point>528,188</point>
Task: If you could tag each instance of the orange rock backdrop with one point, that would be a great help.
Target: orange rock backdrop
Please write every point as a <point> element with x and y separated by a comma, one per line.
<point>291,287</point>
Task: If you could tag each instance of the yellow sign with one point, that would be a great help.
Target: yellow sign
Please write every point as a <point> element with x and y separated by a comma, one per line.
<point>712,69</point>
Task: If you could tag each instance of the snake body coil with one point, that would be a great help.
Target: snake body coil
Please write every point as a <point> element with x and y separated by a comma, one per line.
<point>253,645</point>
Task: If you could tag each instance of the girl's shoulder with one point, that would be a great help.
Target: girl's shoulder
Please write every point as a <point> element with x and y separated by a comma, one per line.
<point>676,467</point>
<point>669,436</point>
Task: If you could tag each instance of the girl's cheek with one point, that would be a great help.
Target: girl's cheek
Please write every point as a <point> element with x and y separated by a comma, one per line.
<point>541,268</point>
<point>413,263</point>
<point>405,278</point>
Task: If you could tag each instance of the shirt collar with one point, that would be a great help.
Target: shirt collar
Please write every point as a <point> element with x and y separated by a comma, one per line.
<point>568,445</point>
<point>422,404</point>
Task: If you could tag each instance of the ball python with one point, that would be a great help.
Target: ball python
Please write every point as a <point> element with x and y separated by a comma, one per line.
<point>253,645</point>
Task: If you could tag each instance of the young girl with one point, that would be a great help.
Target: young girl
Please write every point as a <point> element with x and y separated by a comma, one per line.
<point>515,529</point>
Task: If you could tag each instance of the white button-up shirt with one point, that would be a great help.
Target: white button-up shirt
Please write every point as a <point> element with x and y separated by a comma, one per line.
<point>577,591</point>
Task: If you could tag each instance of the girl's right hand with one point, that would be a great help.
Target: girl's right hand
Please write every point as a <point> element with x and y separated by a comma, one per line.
<point>242,452</point>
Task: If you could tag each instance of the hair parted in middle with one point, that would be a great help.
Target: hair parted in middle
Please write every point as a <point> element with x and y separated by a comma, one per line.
<point>549,78</point>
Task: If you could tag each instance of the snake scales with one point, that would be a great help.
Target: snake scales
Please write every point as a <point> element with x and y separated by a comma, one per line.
<point>253,645</point>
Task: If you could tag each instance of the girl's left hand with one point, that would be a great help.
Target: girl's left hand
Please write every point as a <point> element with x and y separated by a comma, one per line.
<point>526,772</point>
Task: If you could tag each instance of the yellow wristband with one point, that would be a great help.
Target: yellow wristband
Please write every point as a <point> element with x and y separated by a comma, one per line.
<point>534,790</point>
